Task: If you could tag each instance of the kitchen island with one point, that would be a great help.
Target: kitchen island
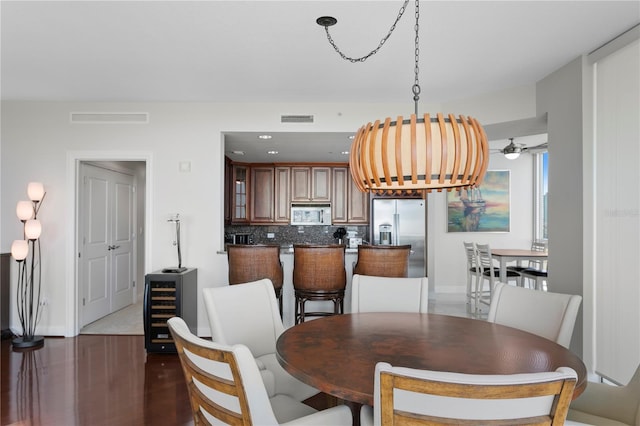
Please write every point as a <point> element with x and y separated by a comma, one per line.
<point>288,300</point>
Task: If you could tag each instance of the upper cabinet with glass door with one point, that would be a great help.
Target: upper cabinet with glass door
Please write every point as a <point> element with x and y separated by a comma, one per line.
<point>240,194</point>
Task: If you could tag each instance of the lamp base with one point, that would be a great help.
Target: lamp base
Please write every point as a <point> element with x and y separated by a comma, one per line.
<point>175,270</point>
<point>35,342</point>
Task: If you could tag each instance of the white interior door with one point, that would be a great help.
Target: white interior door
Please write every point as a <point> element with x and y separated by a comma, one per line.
<point>94,255</point>
<point>122,232</point>
<point>106,242</point>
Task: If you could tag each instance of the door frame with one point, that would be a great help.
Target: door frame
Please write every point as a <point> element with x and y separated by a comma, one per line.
<point>74,158</point>
<point>115,173</point>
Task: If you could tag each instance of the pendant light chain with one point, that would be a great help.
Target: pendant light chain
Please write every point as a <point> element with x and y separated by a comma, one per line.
<point>416,85</point>
<point>432,153</point>
<point>374,51</point>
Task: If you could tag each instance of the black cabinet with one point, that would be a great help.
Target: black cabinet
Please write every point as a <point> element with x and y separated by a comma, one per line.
<point>168,295</point>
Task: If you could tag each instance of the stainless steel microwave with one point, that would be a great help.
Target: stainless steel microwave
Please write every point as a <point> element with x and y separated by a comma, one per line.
<point>311,214</point>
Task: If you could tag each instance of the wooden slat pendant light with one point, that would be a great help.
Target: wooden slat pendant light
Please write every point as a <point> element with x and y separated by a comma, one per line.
<point>430,153</point>
<point>419,153</point>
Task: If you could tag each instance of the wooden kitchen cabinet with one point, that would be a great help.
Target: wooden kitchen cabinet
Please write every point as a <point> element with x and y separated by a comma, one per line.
<point>348,204</point>
<point>357,203</point>
<point>262,194</point>
<point>282,199</point>
<point>339,196</point>
<point>310,184</point>
<point>228,189</point>
<point>320,184</point>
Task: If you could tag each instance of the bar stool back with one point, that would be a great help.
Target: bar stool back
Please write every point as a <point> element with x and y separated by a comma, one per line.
<point>318,274</point>
<point>473,278</point>
<point>383,261</point>
<point>248,263</point>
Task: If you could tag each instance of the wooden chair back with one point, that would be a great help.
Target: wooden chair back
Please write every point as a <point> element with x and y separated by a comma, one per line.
<point>383,261</point>
<point>249,263</point>
<point>194,357</point>
<point>409,396</point>
<point>319,268</point>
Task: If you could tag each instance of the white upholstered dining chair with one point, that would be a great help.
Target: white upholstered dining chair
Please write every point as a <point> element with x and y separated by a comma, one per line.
<point>550,315</point>
<point>603,404</point>
<point>248,314</point>
<point>439,398</point>
<point>225,386</point>
<point>384,294</point>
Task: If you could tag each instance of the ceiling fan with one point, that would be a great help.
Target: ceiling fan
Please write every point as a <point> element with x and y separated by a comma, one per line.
<point>513,150</point>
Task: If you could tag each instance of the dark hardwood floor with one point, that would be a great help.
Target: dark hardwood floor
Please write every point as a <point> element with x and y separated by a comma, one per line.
<point>92,380</point>
<point>108,380</point>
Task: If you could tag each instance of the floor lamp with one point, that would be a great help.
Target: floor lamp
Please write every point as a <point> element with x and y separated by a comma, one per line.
<point>27,254</point>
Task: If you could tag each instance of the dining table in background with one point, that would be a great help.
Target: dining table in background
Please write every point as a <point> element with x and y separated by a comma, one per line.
<point>509,255</point>
<point>338,354</point>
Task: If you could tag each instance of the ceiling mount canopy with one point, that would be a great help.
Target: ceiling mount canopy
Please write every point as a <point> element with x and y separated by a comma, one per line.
<point>418,152</point>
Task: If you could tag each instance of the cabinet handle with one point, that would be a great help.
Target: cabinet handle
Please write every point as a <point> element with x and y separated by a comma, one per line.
<point>112,247</point>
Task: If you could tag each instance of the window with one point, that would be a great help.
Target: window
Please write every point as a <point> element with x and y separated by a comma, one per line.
<point>541,194</point>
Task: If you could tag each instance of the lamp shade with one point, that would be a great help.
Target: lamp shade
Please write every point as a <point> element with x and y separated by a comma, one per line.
<point>420,153</point>
<point>32,229</point>
<point>35,191</point>
<point>19,249</point>
<point>24,210</point>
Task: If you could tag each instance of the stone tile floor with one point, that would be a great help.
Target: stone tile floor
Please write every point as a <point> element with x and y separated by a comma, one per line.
<point>129,320</point>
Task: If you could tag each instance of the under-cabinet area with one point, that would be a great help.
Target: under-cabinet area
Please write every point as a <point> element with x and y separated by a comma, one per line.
<point>262,193</point>
<point>287,235</point>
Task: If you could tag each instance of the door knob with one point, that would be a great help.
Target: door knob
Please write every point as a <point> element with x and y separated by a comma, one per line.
<point>112,247</point>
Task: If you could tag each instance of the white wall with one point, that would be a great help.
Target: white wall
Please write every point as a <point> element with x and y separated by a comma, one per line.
<point>447,261</point>
<point>39,143</point>
<point>560,96</point>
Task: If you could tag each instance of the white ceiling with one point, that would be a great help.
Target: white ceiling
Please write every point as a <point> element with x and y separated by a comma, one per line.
<point>273,51</point>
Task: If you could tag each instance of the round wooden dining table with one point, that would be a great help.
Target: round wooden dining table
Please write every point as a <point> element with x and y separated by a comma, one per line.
<point>338,354</point>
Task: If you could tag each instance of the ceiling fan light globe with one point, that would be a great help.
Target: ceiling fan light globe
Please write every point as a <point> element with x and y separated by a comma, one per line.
<point>512,155</point>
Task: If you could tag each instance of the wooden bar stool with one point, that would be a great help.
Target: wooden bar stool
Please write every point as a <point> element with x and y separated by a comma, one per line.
<point>383,261</point>
<point>249,263</point>
<point>318,274</point>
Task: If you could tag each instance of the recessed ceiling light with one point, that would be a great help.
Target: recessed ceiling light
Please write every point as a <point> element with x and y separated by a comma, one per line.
<point>264,136</point>
<point>272,152</point>
<point>345,153</point>
<point>352,137</point>
<point>238,152</point>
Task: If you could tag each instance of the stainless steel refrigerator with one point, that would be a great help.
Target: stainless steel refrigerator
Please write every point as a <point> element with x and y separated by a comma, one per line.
<point>406,219</point>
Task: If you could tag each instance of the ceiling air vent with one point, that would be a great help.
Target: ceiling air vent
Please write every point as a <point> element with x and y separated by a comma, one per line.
<point>296,118</point>
<point>110,117</point>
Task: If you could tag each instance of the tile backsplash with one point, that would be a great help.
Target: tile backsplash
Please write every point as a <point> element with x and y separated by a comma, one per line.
<point>287,234</point>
